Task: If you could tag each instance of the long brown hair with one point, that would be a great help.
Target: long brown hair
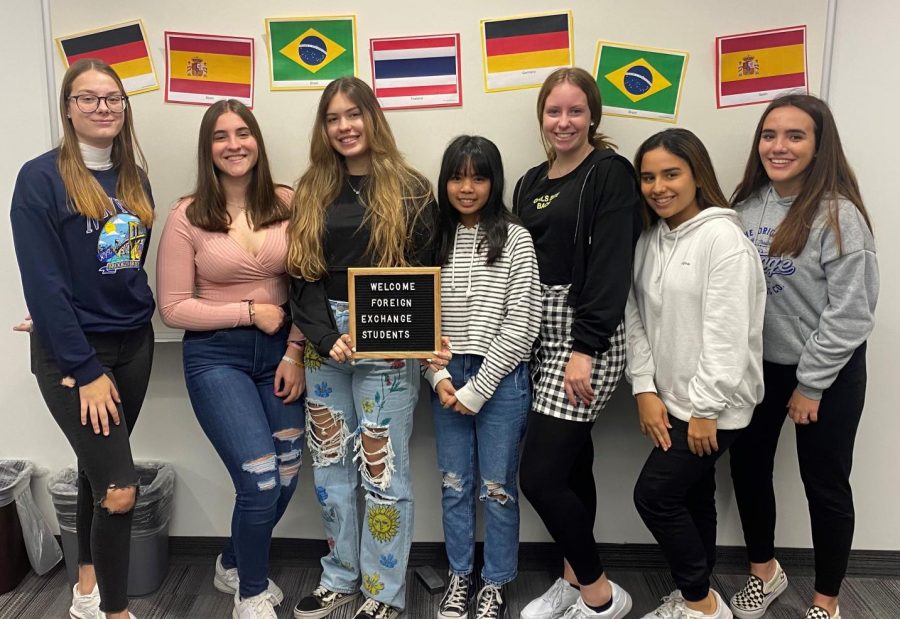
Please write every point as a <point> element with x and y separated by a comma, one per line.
<point>688,147</point>
<point>827,179</point>
<point>395,194</point>
<point>85,193</point>
<point>583,81</point>
<point>207,208</point>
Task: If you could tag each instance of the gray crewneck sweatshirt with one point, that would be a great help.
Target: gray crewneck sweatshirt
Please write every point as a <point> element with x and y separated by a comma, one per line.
<point>821,304</point>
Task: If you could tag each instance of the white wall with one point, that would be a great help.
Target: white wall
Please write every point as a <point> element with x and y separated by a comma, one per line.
<point>861,94</point>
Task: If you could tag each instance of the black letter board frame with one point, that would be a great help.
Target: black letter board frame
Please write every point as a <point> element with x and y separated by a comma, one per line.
<point>425,308</point>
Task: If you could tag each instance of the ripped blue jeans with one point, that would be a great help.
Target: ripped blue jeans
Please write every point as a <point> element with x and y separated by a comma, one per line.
<point>478,456</point>
<point>359,421</point>
<point>230,377</point>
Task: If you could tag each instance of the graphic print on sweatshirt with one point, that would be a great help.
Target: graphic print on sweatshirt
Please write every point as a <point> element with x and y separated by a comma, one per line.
<point>542,202</point>
<point>121,242</point>
<point>773,266</point>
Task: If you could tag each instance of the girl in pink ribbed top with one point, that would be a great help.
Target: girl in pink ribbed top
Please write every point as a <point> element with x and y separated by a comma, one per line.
<point>221,277</point>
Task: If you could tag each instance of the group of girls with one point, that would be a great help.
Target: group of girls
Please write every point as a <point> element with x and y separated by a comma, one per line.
<point>598,263</point>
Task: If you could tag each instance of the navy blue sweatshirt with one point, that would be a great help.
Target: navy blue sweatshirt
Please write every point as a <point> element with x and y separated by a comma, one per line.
<point>79,275</point>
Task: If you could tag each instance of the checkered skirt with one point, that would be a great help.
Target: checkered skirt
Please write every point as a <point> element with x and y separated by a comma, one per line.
<point>552,352</point>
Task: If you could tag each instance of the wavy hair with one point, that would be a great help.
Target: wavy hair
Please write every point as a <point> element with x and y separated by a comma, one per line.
<point>687,147</point>
<point>473,155</point>
<point>588,85</point>
<point>84,191</point>
<point>826,180</point>
<point>395,194</point>
<point>207,208</point>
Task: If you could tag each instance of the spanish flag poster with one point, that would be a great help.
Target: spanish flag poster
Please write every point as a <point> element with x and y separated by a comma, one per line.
<point>203,68</point>
<point>758,67</point>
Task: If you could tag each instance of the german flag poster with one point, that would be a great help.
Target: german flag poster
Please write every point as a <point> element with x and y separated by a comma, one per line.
<point>640,82</point>
<point>757,67</point>
<point>306,53</point>
<point>519,52</point>
<point>122,46</point>
<point>202,69</point>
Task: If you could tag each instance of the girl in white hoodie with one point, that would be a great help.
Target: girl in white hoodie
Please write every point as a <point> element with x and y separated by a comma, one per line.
<point>693,345</point>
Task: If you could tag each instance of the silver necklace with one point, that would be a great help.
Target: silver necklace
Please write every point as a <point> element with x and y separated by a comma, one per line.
<point>354,189</point>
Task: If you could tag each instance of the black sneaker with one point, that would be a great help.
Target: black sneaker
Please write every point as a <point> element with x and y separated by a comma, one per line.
<point>457,598</point>
<point>490,603</point>
<point>321,602</point>
<point>373,609</point>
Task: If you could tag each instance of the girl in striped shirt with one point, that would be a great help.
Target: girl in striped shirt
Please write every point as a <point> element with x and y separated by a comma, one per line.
<point>491,311</point>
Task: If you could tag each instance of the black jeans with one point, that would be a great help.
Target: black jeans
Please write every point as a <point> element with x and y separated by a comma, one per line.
<point>557,478</point>
<point>103,461</point>
<point>676,498</point>
<point>825,452</point>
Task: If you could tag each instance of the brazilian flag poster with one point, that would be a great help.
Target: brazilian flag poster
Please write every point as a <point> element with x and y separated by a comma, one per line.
<point>640,82</point>
<point>306,53</point>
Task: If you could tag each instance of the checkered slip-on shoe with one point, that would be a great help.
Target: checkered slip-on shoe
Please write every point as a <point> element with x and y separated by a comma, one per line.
<point>752,601</point>
<point>817,612</point>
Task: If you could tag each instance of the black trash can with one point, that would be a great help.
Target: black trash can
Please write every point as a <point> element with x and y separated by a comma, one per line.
<point>149,557</point>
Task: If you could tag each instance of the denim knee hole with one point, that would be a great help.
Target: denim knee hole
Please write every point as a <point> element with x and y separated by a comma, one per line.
<point>326,433</point>
<point>289,461</point>
<point>375,455</point>
<point>494,491</point>
<point>262,466</point>
<point>119,499</point>
<point>452,481</point>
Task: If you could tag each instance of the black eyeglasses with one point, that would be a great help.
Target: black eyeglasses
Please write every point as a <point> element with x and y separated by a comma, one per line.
<point>91,103</point>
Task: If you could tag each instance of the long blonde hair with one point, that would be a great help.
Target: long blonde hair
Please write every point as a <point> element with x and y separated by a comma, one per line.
<point>395,194</point>
<point>85,193</point>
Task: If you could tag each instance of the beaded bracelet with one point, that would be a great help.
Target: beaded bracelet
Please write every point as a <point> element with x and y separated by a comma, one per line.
<point>293,362</point>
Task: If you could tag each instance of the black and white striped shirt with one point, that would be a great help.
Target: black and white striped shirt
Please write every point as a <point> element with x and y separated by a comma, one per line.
<point>492,311</point>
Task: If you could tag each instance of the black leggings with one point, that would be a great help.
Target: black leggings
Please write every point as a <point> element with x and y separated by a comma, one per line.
<point>825,452</point>
<point>103,461</point>
<point>557,478</point>
<point>676,498</point>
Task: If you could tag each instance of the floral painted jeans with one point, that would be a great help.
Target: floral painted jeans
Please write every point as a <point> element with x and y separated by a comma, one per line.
<point>359,421</point>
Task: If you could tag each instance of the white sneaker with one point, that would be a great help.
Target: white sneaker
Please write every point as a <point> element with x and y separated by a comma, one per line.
<point>552,603</point>
<point>256,607</point>
<point>671,607</point>
<point>722,610</point>
<point>227,581</point>
<point>621,606</point>
<point>85,606</point>
<point>754,598</point>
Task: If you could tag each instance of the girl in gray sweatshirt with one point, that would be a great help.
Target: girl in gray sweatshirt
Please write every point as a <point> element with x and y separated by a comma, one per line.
<point>801,207</point>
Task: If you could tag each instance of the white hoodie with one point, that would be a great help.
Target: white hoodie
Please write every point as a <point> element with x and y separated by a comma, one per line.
<point>694,319</point>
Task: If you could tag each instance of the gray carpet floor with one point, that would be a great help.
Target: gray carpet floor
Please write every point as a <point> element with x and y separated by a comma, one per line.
<point>187,591</point>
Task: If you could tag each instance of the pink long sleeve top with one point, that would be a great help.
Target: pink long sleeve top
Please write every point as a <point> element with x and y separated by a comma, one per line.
<point>205,280</point>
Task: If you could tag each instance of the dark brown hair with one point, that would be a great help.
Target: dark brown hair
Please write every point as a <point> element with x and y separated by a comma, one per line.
<point>827,179</point>
<point>586,83</point>
<point>688,147</point>
<point>207,207</point>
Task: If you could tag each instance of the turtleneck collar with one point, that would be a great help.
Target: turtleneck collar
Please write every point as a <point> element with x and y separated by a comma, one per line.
<point>96,158</point>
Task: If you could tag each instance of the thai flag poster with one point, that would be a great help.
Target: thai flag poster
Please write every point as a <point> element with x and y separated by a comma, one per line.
<point>417,72</point>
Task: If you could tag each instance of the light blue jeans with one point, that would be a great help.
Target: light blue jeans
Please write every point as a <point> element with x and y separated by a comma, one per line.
<point>372,398</point>
<point>480,454</point>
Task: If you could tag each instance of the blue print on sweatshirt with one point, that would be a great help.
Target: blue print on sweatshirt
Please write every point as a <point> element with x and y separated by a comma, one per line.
<point>773,266</point>
<point>121,243</point>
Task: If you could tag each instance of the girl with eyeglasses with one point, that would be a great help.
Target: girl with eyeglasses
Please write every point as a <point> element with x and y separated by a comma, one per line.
<point>81,220</point>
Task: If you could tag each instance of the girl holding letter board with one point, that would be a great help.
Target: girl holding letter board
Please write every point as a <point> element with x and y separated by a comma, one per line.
<point>802,209</point>
<point>693,326</point>
<point>358,204</point>
<point>490,309</point>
